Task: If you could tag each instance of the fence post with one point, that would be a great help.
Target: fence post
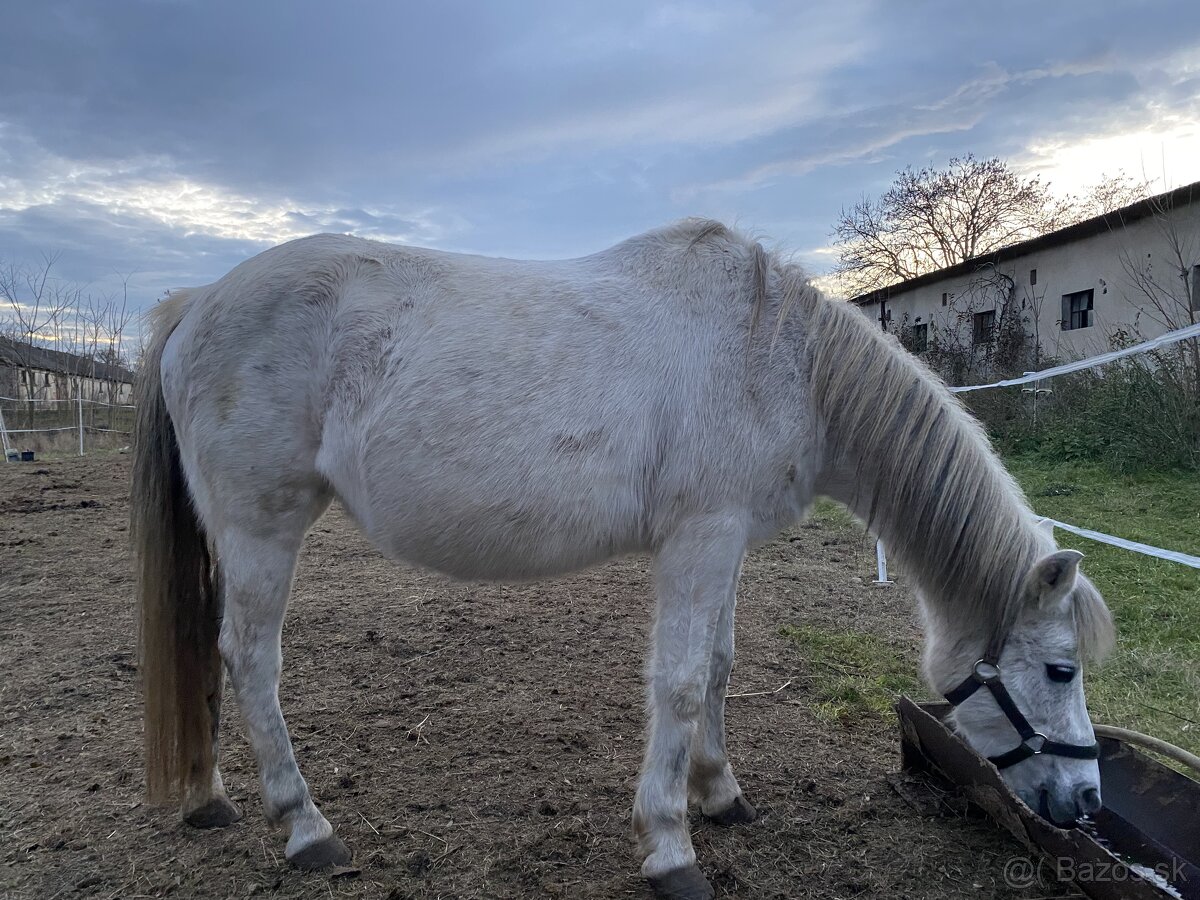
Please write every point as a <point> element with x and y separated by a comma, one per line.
<point>4,435</point>
<point>881,577</point>
<point>80,398</point>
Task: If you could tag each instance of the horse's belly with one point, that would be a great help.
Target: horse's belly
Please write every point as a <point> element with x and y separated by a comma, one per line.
<point>498,540</point>
<point>503,510</point>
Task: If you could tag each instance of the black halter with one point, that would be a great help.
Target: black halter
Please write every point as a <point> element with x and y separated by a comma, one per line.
<point>1033,743</point>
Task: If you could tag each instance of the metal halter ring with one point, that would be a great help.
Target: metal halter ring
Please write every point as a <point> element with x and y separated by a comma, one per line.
<point>987,671</point>
<point>1036,742</point>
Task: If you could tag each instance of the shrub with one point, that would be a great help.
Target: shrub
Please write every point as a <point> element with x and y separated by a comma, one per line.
<point>1140,413</point>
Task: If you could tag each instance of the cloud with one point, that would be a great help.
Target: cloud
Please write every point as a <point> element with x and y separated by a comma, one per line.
<point>153,189</point>
<point>1154,133</point>
<point>843,153</point>
<point>863,134</point>
<point>178,137</point>
<point>145,206</point>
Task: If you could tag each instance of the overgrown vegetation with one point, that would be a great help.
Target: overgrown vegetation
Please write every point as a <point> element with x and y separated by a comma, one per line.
<point>1141,413</point>
<point>1136,415</point>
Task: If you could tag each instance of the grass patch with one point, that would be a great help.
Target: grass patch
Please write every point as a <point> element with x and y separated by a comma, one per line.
<point>1151,682</point>
<point>858,675</point>
<point>831,514</point>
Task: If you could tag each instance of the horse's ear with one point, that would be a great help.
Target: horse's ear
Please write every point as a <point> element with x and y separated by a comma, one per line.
<point>1053,577</point>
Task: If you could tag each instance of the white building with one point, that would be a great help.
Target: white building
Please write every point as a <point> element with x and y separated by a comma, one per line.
<point>1131,273</point>
<point>39,375</point>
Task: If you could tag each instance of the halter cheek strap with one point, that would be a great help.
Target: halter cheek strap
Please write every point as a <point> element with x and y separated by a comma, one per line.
<point>1033,743</point>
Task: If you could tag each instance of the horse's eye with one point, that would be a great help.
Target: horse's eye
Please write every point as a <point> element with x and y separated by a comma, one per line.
<point>1058,673</point>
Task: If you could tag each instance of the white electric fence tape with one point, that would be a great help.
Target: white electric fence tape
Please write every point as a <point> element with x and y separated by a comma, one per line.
<point>1148,549</point>
<point>1171,337</point>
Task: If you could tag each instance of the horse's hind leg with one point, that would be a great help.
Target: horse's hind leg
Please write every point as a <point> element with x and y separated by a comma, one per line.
<point>258,558</point>
<point>206,804</point>
<point>711,780</point>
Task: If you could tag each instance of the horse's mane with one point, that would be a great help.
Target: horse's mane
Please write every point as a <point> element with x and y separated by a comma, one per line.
<point>935,491</point>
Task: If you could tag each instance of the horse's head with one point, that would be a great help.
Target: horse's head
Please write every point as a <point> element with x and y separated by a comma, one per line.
<point>1023,706</point>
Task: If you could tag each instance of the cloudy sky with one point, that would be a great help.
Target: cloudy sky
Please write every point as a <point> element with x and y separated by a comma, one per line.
<point>175,138</point>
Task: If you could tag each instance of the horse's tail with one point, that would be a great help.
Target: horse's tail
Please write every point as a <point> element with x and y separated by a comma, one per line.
<point>177,587</point>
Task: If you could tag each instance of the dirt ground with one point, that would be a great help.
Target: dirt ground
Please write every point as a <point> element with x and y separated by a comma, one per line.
<point>466,740</point>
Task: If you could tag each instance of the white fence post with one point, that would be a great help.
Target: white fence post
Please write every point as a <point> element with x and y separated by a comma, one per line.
<point>80,423</point>
<point>881,565</point>
<point>4,436</point>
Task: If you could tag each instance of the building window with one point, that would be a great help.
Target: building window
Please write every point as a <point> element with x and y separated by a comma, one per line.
<point>984,327</point>
<point>920,337</point>
<point>945,298</point>
<point>1032,276</point>
<point>1195,288</point>
<point>1077,310</point>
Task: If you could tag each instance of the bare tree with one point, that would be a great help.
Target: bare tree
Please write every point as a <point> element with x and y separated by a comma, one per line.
<point>932,218</point>
<point>37,308</point>
<point>1171,291</point>
<point>117,319</point>
<point>1109,193</point>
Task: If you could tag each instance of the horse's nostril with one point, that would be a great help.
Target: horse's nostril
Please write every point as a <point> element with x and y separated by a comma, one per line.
<point>1089,801</point>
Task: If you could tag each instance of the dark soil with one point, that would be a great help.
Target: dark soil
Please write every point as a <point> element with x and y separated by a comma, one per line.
<point>466,740</point>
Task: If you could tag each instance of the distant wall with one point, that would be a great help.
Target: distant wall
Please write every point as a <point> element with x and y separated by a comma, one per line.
<point>1101,263</point>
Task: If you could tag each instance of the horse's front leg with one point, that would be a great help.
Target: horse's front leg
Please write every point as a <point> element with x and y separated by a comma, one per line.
<point>696,573</point>
<point>711,782</point>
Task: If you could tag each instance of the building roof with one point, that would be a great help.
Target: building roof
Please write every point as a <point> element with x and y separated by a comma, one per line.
<point>1117,218</point>
<point>19,354</point>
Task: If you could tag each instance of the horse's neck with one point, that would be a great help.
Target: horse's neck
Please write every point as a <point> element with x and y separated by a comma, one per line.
<point>912,464</point>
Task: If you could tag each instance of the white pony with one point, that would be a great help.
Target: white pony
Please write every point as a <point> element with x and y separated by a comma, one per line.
<point>683,393</point>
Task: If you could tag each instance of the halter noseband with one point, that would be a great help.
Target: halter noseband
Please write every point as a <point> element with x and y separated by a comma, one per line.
<point>1033,743</point>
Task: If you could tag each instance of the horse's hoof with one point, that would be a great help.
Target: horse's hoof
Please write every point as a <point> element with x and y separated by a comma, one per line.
<point>324,853</point>
<point>739,812</point>
<point>216,813</point>
<point>686,883</point>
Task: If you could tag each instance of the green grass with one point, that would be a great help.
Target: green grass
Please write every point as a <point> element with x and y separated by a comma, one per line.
<point>857,675</point>
<point>831,514</point>
<point>1152,681</point>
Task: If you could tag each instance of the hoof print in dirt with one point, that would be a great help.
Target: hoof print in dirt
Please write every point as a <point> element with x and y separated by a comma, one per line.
<point>322,855</point>
<point>739,812</point>
<point>216,813</point>
<point>687,883</point>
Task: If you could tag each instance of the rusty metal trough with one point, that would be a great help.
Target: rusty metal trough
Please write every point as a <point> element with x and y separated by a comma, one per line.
<point>1150,819</point>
